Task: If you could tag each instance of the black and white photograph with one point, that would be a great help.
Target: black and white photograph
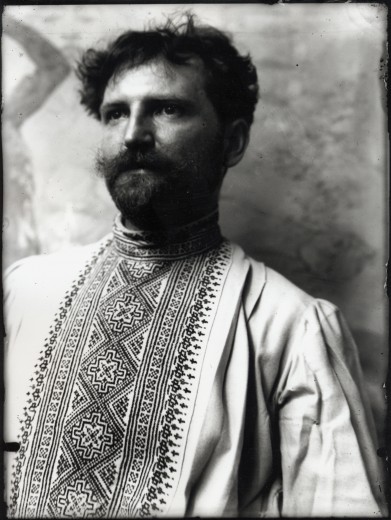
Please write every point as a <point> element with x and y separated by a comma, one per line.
<point>195,241</point>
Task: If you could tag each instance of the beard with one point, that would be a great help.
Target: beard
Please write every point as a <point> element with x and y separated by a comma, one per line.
<point>143,197</point>
<point>136,194</point>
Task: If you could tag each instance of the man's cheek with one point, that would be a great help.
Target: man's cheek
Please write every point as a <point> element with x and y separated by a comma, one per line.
<point>110,144</point>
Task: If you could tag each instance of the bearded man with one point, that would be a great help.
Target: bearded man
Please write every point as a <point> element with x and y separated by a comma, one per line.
<point>172,374</point>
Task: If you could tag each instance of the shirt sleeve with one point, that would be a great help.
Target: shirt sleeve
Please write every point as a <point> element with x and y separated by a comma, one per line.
<point>328,455</point>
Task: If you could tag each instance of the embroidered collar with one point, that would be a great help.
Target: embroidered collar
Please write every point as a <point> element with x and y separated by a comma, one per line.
<point>194,238</point>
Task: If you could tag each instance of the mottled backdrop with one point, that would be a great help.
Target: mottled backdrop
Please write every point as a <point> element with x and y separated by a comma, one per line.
<point>310,196</point>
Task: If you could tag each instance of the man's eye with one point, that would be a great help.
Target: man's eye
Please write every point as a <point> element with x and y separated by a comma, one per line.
<point>114,115</point>
<point>169,110</point>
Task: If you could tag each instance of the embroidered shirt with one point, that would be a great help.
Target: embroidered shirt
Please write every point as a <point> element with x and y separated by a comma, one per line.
<point>180,378</point>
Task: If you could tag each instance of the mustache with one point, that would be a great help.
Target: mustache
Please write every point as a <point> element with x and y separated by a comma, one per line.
<point>110,167</point>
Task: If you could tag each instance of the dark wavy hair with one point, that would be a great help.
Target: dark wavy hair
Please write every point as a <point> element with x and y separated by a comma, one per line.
<point>231,79</point>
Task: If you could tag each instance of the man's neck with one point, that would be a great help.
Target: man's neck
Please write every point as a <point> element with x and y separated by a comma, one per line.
<point>169,220</point>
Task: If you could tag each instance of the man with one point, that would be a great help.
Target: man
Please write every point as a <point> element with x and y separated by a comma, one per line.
<point>173,375</point>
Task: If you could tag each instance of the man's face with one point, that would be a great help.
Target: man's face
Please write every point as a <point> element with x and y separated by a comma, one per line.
<point>162,147</point>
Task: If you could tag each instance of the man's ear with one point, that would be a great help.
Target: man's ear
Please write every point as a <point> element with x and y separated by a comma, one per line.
<point>236,138</point>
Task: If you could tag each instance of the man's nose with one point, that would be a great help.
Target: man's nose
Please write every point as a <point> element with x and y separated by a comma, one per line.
<point>139,130</point>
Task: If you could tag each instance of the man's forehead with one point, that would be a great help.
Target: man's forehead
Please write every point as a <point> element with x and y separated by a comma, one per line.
<point>159,76</point>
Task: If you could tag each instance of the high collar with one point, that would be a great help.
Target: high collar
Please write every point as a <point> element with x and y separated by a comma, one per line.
<point>194,238</point>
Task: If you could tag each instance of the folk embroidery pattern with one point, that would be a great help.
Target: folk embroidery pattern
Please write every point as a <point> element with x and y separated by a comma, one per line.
<point>120,371</point>
<point>39,382</point>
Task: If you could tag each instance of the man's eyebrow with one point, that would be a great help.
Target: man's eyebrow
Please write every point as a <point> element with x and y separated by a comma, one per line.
<point>161,98</point>
<point>168,97</point>
<point>111,104</point>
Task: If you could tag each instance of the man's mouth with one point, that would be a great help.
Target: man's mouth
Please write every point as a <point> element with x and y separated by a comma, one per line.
<point>136,169</point>
<point>124,168</point>
<point>125,175</point>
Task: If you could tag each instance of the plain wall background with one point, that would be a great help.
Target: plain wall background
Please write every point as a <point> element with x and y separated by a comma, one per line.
<point>309,198</point>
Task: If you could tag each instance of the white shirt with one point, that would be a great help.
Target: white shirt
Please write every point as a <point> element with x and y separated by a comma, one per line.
<point>279,425</point>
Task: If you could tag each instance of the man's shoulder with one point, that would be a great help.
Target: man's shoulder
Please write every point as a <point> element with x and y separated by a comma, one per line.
<point>276,292</point>
<point>280,315</point>
<point>36,271</point>
<point>270,298</point>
